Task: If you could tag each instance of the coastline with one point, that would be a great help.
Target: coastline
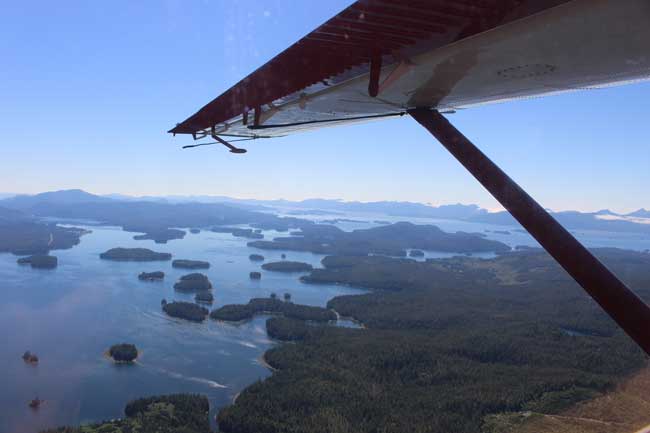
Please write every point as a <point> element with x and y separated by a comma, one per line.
<point>264,363</point>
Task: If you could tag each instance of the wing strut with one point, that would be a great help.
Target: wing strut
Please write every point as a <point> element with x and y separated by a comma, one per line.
<point>232,148</point>
<point>629,311</point>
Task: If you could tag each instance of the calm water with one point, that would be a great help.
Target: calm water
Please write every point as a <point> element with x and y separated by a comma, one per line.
<point>70,316</point>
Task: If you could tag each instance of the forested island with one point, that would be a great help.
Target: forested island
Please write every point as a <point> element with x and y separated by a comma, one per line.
<point>185,310</point>
<point>287,266</point>
<point>239,312</point>
<point>447,343</point>
<point>390,240</point>
<point>239,232</point>
<point>161,235</point>
<point>39,261</point>
<point>190,264</point>
<point>256,258</point>
<point>123,352</point>
<point>134,255</point>
<point>176,413</point>
<point>195,282</point>
<point>151,276</point>
<point>30,358</point>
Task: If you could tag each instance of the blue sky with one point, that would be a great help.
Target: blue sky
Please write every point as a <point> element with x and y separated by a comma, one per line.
<point>89,89</point>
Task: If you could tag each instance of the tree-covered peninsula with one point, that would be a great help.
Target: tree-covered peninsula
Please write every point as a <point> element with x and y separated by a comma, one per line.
<point>238,312</point>
<point>176,413</point>
<point>185,310</point>
<point>390,240</point>
<point>447,344</point>
<point>23,235</point>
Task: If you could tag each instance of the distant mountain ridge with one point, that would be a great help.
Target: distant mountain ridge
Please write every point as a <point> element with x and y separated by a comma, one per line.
<point>70,196</point>
<point>641,213</point>
<point>149,217</point>
<point>68,203</point>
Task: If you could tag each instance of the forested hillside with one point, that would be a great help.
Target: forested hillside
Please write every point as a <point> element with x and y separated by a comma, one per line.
<point>449,342</point>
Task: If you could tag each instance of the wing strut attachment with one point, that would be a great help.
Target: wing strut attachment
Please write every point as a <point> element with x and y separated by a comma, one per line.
<point>232,148</point>
<point>622,305</point>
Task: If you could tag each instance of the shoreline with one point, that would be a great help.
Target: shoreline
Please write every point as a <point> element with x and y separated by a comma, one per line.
<point>264,363</point>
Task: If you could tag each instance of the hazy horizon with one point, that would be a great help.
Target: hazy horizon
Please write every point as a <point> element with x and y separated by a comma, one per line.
<point>90,109</point>
<point>4,195</point>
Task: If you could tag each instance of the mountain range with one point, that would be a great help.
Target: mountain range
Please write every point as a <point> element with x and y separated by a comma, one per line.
<point>166,211</point>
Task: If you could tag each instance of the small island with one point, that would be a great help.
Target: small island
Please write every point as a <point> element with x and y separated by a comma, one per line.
<point>39,261</point>
<point>190,264</point>
<point>239,232</point>
<point>151,276</point>
<point>195,282</point>
<point>256,258</point>
<point>30,358</point>
<point>287,267</point>
<point>272,305</point>
<point>255,275</point>
<point>35,403</point>
<point>195,231</point>
<point>416,253</point>
<point>161,236</point>
<point>185,310</point>
<point>204,297</point>
<point>123,353</point>
<point>134,255</point>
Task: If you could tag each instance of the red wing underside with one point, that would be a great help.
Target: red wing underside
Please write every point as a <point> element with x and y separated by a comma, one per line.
<point>446,55</point>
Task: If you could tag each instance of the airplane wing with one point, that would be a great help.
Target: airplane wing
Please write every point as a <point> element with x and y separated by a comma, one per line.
<point>380,58</point>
